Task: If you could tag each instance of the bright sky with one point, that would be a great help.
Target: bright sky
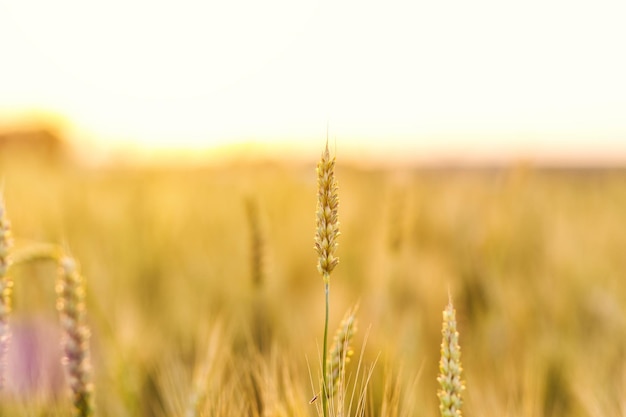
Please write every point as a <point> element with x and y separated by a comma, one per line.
<point>442,79</point>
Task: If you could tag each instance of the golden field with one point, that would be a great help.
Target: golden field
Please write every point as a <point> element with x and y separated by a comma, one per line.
<point>534,260</point>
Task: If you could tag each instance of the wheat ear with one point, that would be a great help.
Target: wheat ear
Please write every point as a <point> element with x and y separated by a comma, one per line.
<point>341,351</point>
<point>327,216</point>
<point>6,287</point>
<point>450,399</point>
<point>257,243</point>
<point>327,232</point>
<point>76,357</point>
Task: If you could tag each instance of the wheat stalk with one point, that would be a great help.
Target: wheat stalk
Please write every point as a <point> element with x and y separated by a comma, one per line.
<point>327,232</point>
<point>6,287</point>
<point>76,358</point>
<point>450,399</point>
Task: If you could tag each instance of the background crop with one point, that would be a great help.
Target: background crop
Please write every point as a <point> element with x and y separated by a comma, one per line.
<point>534,260</point>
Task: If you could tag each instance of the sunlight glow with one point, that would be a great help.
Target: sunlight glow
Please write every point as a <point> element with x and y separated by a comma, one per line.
<point>453,78</point>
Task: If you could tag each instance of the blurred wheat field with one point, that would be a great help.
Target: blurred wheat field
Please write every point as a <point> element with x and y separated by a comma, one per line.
<point>534,259</point>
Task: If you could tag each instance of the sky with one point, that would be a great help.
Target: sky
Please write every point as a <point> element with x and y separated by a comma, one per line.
<point>426,80</point>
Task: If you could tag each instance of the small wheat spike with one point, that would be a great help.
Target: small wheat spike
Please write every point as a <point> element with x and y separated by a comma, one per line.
<point>450,369</point>
<point>6,287</point>
<point>76,360</point>
<point>341,351</point>
<point>326,222</point>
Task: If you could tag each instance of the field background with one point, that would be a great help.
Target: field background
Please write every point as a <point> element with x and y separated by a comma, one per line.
<point>535,261</point>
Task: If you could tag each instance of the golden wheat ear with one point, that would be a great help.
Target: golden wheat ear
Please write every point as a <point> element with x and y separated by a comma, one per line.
<point>327,223</point>
<point>6,287</point>
<point>76,355</point>
<point>450,394</point>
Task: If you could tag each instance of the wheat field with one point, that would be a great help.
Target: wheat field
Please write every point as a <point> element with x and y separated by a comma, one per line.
<point>203,297</point>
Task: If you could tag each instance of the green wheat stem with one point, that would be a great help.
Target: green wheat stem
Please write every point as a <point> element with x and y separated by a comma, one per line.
<point>324,356</point>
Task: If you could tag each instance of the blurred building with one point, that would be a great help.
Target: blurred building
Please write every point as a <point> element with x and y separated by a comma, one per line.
<point>41,143</point>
